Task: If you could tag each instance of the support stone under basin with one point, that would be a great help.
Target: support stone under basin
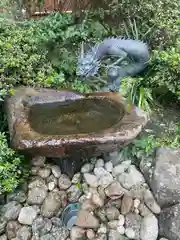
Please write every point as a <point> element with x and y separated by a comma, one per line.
<point>57,123</point>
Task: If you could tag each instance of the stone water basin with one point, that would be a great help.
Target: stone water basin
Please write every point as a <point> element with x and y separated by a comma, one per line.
<point>57,123</point>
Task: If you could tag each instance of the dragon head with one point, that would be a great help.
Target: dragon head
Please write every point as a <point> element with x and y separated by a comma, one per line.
<point>88,65</point>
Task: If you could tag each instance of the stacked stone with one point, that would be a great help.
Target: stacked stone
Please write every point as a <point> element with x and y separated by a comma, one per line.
<point>116,201</point>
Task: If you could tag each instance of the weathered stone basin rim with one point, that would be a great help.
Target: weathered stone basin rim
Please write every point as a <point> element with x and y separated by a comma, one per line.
<point>24,138</point>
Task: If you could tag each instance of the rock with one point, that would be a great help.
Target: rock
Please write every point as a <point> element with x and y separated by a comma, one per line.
<point>162,174</point>
<point>51,204</point>
<point>57,222</point>
<point>108,166</point>
<point>112,213</point>
<point>60,233</point>
<point>136,203</point>
<point>101,214</point>
<point>52,178</point>
<point>64,182</point>
<point>11,210</point>
<point>3,237</point>
<point>115,235</point>
<point>113,224</point>
<point>99,163</point>
<point>56,171</point>
<point>34,171</point>
<point>114,203</point>
<point>114,190</point>
<point>51,186</point>
<point>144,211</point>
<point>27,215</point>
<point>130,233</point>
<point>90,234</point>
<point>104,177</point>
<point>91,180</point>
<point>88,205</point>
<point>86,220</point>
<point>115,157</point>
<point>57,234</point>
<point>41,226</point>
<point>12,228</point>
<point>48,236</point>
<point>97,200</point>
<point>86,168</point>
<point>133,221</point>
<point>38,161</point>
<point>74,193</point>
<point>76,178</point>
<point>24,233</point>
<point>18,196</point>
<point>37,183</point>
<point>121,220</point>
<point>126,204</point>
<point>149,228</point>
<point>102,229</point>
<point>121,229</point>
<point>36,195</point>
<point>76,233</point>
<point>151,202</point>
<point>44,172</point>
<point>169,220</point>
<point>131,178</point>
<point>121,168</point>
<point>137,191</point>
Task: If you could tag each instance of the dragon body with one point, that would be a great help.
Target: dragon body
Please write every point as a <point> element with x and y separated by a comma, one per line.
<point>134,50</point>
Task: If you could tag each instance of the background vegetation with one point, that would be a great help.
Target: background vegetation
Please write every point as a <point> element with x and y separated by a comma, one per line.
<point>44,53</point>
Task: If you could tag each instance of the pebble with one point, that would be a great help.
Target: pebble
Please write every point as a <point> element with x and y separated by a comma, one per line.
<point>11,210</point>
<point>130,233</point>
<point>151,202</point>
<point>86,168</point>
<point>109,166</point>
<point>97,200</point>
<point>51,204</point>
<point>76,233</point>
<point>44,172</point>
<point>149,228</point>
<point>76,178</point>
<point>91,180</point>
<point>121,230</point>
<point>131,178</point>
<point>114,190</point>
<point>99,163</point>
<point>126,204</point>
<point>86,220</point>
<point>38,161</point>
<point>121,168</point>
<point>24,233</point>
<point>136,203</point>
<point>27,215</point>
<point>90,234</point>
<point>56,171</point>
<point>11,229</point>
<point>64,182</point>
<point>51,186</point>
<point>36,195</point>
<point>112,213</point>
<point>102,229</point>
<point>121,220</point>
<point>3,237</point>
<point>74,193</point>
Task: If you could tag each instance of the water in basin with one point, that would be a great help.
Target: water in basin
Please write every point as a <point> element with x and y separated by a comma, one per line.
<point>80,116</point>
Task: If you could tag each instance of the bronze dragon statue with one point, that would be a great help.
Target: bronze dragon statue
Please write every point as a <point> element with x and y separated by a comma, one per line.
<point>135,50</point>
